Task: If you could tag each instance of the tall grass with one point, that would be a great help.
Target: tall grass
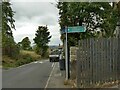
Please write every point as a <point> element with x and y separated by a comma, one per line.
<point>31,53</point>
<point>23,58</point>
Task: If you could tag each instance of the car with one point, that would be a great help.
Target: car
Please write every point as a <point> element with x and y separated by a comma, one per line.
<point>54,56</point>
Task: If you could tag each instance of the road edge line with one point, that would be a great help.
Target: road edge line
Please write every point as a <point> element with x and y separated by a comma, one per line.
<point>50,76</point>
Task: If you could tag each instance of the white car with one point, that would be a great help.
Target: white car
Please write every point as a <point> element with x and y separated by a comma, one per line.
<point>54,56</point>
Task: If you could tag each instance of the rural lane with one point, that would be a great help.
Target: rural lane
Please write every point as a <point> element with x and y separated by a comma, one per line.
<point>33,75</point>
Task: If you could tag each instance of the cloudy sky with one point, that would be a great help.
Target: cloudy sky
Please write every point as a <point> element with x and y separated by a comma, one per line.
<point>30,15</point>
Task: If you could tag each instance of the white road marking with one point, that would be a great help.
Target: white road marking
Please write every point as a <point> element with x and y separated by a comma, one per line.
<point>35,62</point>
<point>58,66</point>
<point>50,76</point>
<point>40,62</point>
<point>53,64</point>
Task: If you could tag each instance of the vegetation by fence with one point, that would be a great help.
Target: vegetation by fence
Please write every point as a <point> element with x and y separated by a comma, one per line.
<point>97,61</point>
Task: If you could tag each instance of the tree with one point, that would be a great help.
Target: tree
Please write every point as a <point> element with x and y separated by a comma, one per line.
<point>100,19</point>
<point>42,38</point>
<point>118,6</point>
<point>25,44</point>
<point>9,46</point>
<point>7,19</point>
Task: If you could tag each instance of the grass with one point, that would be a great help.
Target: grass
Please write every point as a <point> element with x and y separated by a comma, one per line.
<point>31,53</point>
<point>24,57</point>
<point>7,62</point>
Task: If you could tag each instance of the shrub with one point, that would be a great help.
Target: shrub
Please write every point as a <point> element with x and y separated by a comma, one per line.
<point>11,50</point>
<point>24,59</point>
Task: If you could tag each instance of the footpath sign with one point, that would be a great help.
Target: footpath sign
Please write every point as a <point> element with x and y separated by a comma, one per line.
<point>74,29</point>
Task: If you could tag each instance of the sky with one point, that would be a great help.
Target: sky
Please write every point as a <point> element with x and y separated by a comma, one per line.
<point>29,15</point>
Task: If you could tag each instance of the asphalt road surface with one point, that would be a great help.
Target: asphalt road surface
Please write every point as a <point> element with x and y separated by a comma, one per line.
<point>33,75</point>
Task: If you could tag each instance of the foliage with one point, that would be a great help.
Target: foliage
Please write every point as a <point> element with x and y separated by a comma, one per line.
<point>0,17</point>
<point>9,46</point>
<point>100,19</point>
<point>118,6</point>
<point>23,58</point>
<point>7,62</point>
<point>7,19</point>
<point>31,53</point>
<point>25,44</point>
<point>10,49</point>
<point>27,57</point>
<point>42,38</point>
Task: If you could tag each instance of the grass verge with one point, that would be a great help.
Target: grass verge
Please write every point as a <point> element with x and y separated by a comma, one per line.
<point>24,57</point>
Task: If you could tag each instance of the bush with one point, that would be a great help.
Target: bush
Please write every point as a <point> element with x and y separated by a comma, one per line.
<point>42,51</point>
<point>24,60</point>
<point>10,50</point>
<point>31,53</point>
<point>8,62</point>
<point>24,57</point>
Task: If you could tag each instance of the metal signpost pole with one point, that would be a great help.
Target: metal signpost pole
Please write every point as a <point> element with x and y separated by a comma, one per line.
<point>74,29</point>
<point>66,54</point>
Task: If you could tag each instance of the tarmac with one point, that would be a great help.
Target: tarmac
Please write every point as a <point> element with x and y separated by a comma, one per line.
<point>57,78</point>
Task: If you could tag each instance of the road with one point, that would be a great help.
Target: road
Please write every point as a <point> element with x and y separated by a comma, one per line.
<point>33,75</point>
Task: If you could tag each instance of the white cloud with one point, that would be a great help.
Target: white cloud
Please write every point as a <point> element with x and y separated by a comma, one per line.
<point>27,29</point>
<point>21,36</point>
<point>30,15</point>
<point>35,0</point>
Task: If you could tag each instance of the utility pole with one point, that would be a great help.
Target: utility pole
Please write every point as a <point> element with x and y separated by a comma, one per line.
<point>66,53</point>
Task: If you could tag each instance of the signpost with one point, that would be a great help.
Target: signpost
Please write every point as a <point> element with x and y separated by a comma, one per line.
<point>75,29</point>
<point>66,55</point>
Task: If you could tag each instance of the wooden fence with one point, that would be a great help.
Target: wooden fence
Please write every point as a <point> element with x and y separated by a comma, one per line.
<point>97,61</point>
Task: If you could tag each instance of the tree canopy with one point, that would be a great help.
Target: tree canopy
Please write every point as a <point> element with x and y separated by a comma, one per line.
<point>118,6</point>
<point>42,38</point>
<point>7,19</point>
<point>25,44</point>
<point>9,46</point>
<point>99,18</point>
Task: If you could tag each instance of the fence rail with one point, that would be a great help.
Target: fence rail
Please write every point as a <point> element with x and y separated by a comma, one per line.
<point>97,61</point>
